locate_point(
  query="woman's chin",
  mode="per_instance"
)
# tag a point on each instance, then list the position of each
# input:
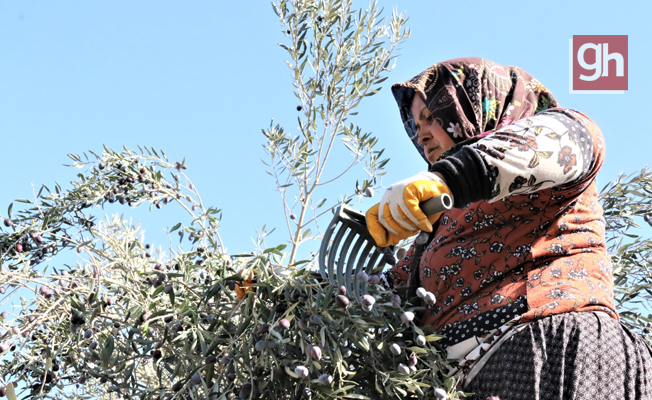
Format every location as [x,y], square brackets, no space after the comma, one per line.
[433,156]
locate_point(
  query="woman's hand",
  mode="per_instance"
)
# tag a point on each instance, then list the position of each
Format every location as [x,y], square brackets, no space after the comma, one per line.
[398,215]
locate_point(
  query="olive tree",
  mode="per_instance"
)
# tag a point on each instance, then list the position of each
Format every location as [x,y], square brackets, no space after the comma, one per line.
[627,200]
[193,321]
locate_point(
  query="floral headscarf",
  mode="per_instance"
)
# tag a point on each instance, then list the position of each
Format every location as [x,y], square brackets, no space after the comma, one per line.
[471,95]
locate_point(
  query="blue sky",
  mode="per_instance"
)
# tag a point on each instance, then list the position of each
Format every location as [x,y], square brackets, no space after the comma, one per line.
[201,79]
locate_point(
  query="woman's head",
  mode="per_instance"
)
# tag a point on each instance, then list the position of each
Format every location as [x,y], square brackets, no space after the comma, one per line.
[465,97]
[431,135]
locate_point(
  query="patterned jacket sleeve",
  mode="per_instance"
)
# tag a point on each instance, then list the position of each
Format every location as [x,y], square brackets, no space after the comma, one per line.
[399,274]
[555,148]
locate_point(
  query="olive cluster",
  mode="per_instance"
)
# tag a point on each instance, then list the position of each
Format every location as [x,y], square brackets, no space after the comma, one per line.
[30,245]
[125,181]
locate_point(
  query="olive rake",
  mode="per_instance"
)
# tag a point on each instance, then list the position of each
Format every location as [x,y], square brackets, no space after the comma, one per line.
[348,248]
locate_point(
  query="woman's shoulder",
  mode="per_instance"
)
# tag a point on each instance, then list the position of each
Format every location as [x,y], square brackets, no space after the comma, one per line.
[570,112]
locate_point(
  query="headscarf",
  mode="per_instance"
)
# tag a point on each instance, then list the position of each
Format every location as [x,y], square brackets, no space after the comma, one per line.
[471,95]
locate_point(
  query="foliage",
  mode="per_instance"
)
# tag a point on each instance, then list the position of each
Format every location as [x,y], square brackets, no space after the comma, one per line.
[195,322]
[337,57]
[625,200]
[141,324]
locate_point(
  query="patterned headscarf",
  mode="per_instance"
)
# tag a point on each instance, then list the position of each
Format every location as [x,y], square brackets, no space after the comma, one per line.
[471,95]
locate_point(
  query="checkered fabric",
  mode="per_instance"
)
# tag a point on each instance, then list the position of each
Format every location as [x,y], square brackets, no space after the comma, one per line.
[575,355]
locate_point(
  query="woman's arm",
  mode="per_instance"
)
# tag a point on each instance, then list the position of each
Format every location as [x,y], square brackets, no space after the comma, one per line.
[555,148]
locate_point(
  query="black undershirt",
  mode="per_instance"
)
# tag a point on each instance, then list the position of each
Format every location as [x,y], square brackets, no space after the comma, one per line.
[467,175]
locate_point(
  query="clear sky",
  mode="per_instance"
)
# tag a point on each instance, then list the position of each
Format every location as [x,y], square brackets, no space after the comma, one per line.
[201,79]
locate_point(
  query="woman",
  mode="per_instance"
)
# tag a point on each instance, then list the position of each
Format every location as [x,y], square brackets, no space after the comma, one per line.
[519,266]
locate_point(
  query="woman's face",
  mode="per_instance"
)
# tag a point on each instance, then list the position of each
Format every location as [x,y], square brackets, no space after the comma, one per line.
[431,135]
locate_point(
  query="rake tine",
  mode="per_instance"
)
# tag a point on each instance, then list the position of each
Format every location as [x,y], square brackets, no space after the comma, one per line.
[333,253]
[362,287]
[343,253]
[349,265]
[359,267]
[381,263]
[323,249]
[368,268]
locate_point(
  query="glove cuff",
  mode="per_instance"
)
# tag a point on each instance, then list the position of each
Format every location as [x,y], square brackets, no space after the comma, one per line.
[437,177]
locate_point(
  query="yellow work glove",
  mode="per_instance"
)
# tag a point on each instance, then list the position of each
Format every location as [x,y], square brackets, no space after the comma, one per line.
[398,215]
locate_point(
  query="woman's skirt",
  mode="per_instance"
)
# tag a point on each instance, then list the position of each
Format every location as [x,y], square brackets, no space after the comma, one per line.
[576,355]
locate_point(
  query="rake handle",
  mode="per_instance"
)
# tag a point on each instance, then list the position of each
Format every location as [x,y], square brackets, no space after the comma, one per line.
[436,204]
